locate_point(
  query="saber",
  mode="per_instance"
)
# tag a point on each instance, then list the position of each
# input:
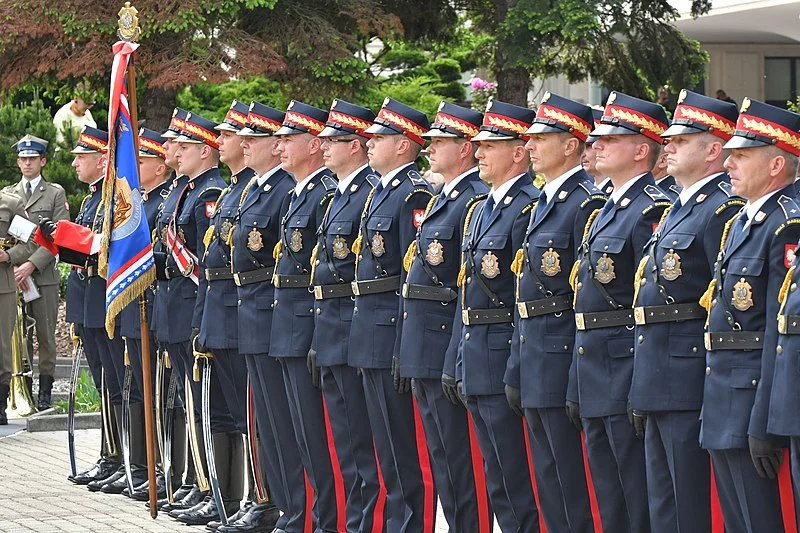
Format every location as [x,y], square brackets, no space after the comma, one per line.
[252,440]
[159,393]
[200,475]
[208,440]
[126,421]
[168,426]
[77,353]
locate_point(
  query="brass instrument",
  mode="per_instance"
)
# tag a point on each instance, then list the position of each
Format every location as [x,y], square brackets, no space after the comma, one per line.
[20,400]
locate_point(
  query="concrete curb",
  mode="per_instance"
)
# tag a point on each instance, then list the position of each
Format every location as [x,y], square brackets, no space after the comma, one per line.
[47,420]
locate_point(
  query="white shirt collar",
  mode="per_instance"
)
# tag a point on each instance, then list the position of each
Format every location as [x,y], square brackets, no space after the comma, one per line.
[268,174]
[345,183]
[603,184]
[550,189]
[300,184]
[385,180]
[751,208]
[448,187]
[34,182]
[619,191]
[687,193]
[501,191]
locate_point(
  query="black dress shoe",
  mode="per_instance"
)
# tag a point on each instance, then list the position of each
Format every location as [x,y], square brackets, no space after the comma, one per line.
[142,492]
[177,496]
[208,512]
[190,499]
[100,470]
[214,524]
[175,513]
[138,476]
[98,484]
[260,517]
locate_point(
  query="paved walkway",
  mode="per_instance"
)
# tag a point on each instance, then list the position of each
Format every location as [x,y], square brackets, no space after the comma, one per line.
[36,496]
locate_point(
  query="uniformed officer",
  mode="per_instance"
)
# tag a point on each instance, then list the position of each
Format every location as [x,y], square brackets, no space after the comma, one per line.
[345,153]
[42,199]
[589,159]
[254,237]
[758,249]
[627,146]
[387,227]
[429,306]
[541,354]
[482,330]
[669,364]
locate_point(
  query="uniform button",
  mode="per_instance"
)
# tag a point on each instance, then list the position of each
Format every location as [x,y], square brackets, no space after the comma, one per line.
[274,303]
[641,339]
[580,350]
[566,348]
[521,339]
[793,287]
[527,245]
[316,263]
[744,269]
[393,320]
[694,349]
[605,247]
[713,302]
[779,349]
[708,371]
[509,341]
[355,309]
[722,272]
[550,242]
[360,257]
[469,280]
[521,274]
[643,282]
[631,350]
[754,382]
[405,315]
[238,302]
[319,311]
[444,327]
[579,285]
[491,243]
[436,234]
[466,337]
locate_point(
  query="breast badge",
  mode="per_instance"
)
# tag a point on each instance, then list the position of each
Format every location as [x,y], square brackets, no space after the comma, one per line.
[378,248]
[254,240]
[490,267]
[434,255]
[181,234]
[340,248]
[742,295]
[604,272]
[164,232]
[225,230]
[671,266]
[296,241]
[551,263]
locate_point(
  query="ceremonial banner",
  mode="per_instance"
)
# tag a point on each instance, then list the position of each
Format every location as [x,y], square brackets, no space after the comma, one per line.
[126,252]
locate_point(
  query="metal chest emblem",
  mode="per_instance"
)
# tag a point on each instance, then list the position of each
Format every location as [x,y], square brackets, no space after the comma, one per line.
[378,248]
[605,269]
[296,241]
[551,263]
[181,234]
[490,267]
[742,295]
[340,248]
[435,254]
[225,230]
[254,240]
[671,266]
[164,232]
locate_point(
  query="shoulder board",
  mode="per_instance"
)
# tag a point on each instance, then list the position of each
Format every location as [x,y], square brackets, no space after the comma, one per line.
[594,198]
[675,188]
[373,179]
[8,188]
[329,183]
[51,184]
[416,178]
[738,202]
[786,224]
[788,206]
[726,188]
[655,193]
[589,187]
[328,196]
[531,191]
[657,204]
[417,191]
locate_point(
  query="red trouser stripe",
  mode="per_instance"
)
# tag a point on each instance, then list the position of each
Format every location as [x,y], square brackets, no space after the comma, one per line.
[481,492]
[338,480]
[598,523]
[717,521]
[429,512]
[787,493]
[377,515]
[308,526]
[542,526]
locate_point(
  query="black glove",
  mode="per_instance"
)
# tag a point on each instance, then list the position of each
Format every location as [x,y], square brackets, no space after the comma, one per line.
[514,398]
[766,457]
[461,394]
[450,389]
[195,341]
[313,369]
[638,420]
[47,227]
[401,385]
[160,259]
[574,414]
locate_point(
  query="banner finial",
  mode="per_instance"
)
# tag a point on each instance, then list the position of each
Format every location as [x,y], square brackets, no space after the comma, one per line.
[128,24]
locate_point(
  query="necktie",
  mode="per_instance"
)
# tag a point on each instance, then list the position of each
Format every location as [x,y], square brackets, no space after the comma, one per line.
[379,188]
[336,198]
[27,190]
[606,210]
[442,198]
[738,229]
[540,208]
[487,211]
[674,211]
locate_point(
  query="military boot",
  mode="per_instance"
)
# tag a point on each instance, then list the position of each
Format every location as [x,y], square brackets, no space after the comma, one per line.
[45,392]
[138,451]
[224,451]
[4,389]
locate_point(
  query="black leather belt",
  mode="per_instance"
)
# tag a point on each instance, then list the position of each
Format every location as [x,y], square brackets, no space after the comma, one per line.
[425,292]
[668,313]
[545,306]
[286,281]
[215,274]
[789,324]
[734,340]
[375,286]
[253,276]
[605,319]
[338,290]
[172,272]
[475,317]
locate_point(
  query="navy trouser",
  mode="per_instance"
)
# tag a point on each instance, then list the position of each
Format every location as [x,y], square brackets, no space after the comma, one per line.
[91,355]
[111,353]
[231,370]
[135,357]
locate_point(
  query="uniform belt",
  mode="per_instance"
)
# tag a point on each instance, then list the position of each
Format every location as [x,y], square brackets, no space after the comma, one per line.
[545,306]
[91,267]
[172,272]
[291,280]
[475,317]
[734,340]
[253,276]
[338,290]
[789,324]
[605,319]
[214,274]
[668,313]
[426,292]
[375,286]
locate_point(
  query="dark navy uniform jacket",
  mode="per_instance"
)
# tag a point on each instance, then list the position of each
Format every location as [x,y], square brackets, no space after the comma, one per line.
[670,187]
[294,305]
[603,357]
[129,324]
[86,306]
[669,360]
[335,265]
[161,303]
[219,325]
[752,269]
[256,232]
[541,349]
[386,232]
[428,324]
[489,250]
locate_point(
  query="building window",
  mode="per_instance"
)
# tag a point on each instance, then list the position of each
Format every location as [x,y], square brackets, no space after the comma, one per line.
[781,80]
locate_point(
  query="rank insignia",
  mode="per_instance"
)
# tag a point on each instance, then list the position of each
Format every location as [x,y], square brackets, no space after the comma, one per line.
[254,240]
[551,263]
[434,255]
[490,267]
[296,241]
[742,295]
[378,249]
[605,269]
[225,230]
[340,248]
[671,266]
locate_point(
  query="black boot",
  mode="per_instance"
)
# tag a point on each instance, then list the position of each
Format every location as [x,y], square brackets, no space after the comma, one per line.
[138,451]
[224,452]
[45,392]
[259,517]
[142,492]
[4,390]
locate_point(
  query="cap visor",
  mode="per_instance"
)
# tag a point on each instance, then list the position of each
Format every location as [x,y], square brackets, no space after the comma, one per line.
[489,136]
[148,154]
[334,132]
[82,150]
[543,128]
[224,126]
[287,130]
[29,153]
[609,129]
[680,129]
[249,132]
[591,139]
[380,129]
[744,142]
[169,134]
[185,139]
[440,134]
